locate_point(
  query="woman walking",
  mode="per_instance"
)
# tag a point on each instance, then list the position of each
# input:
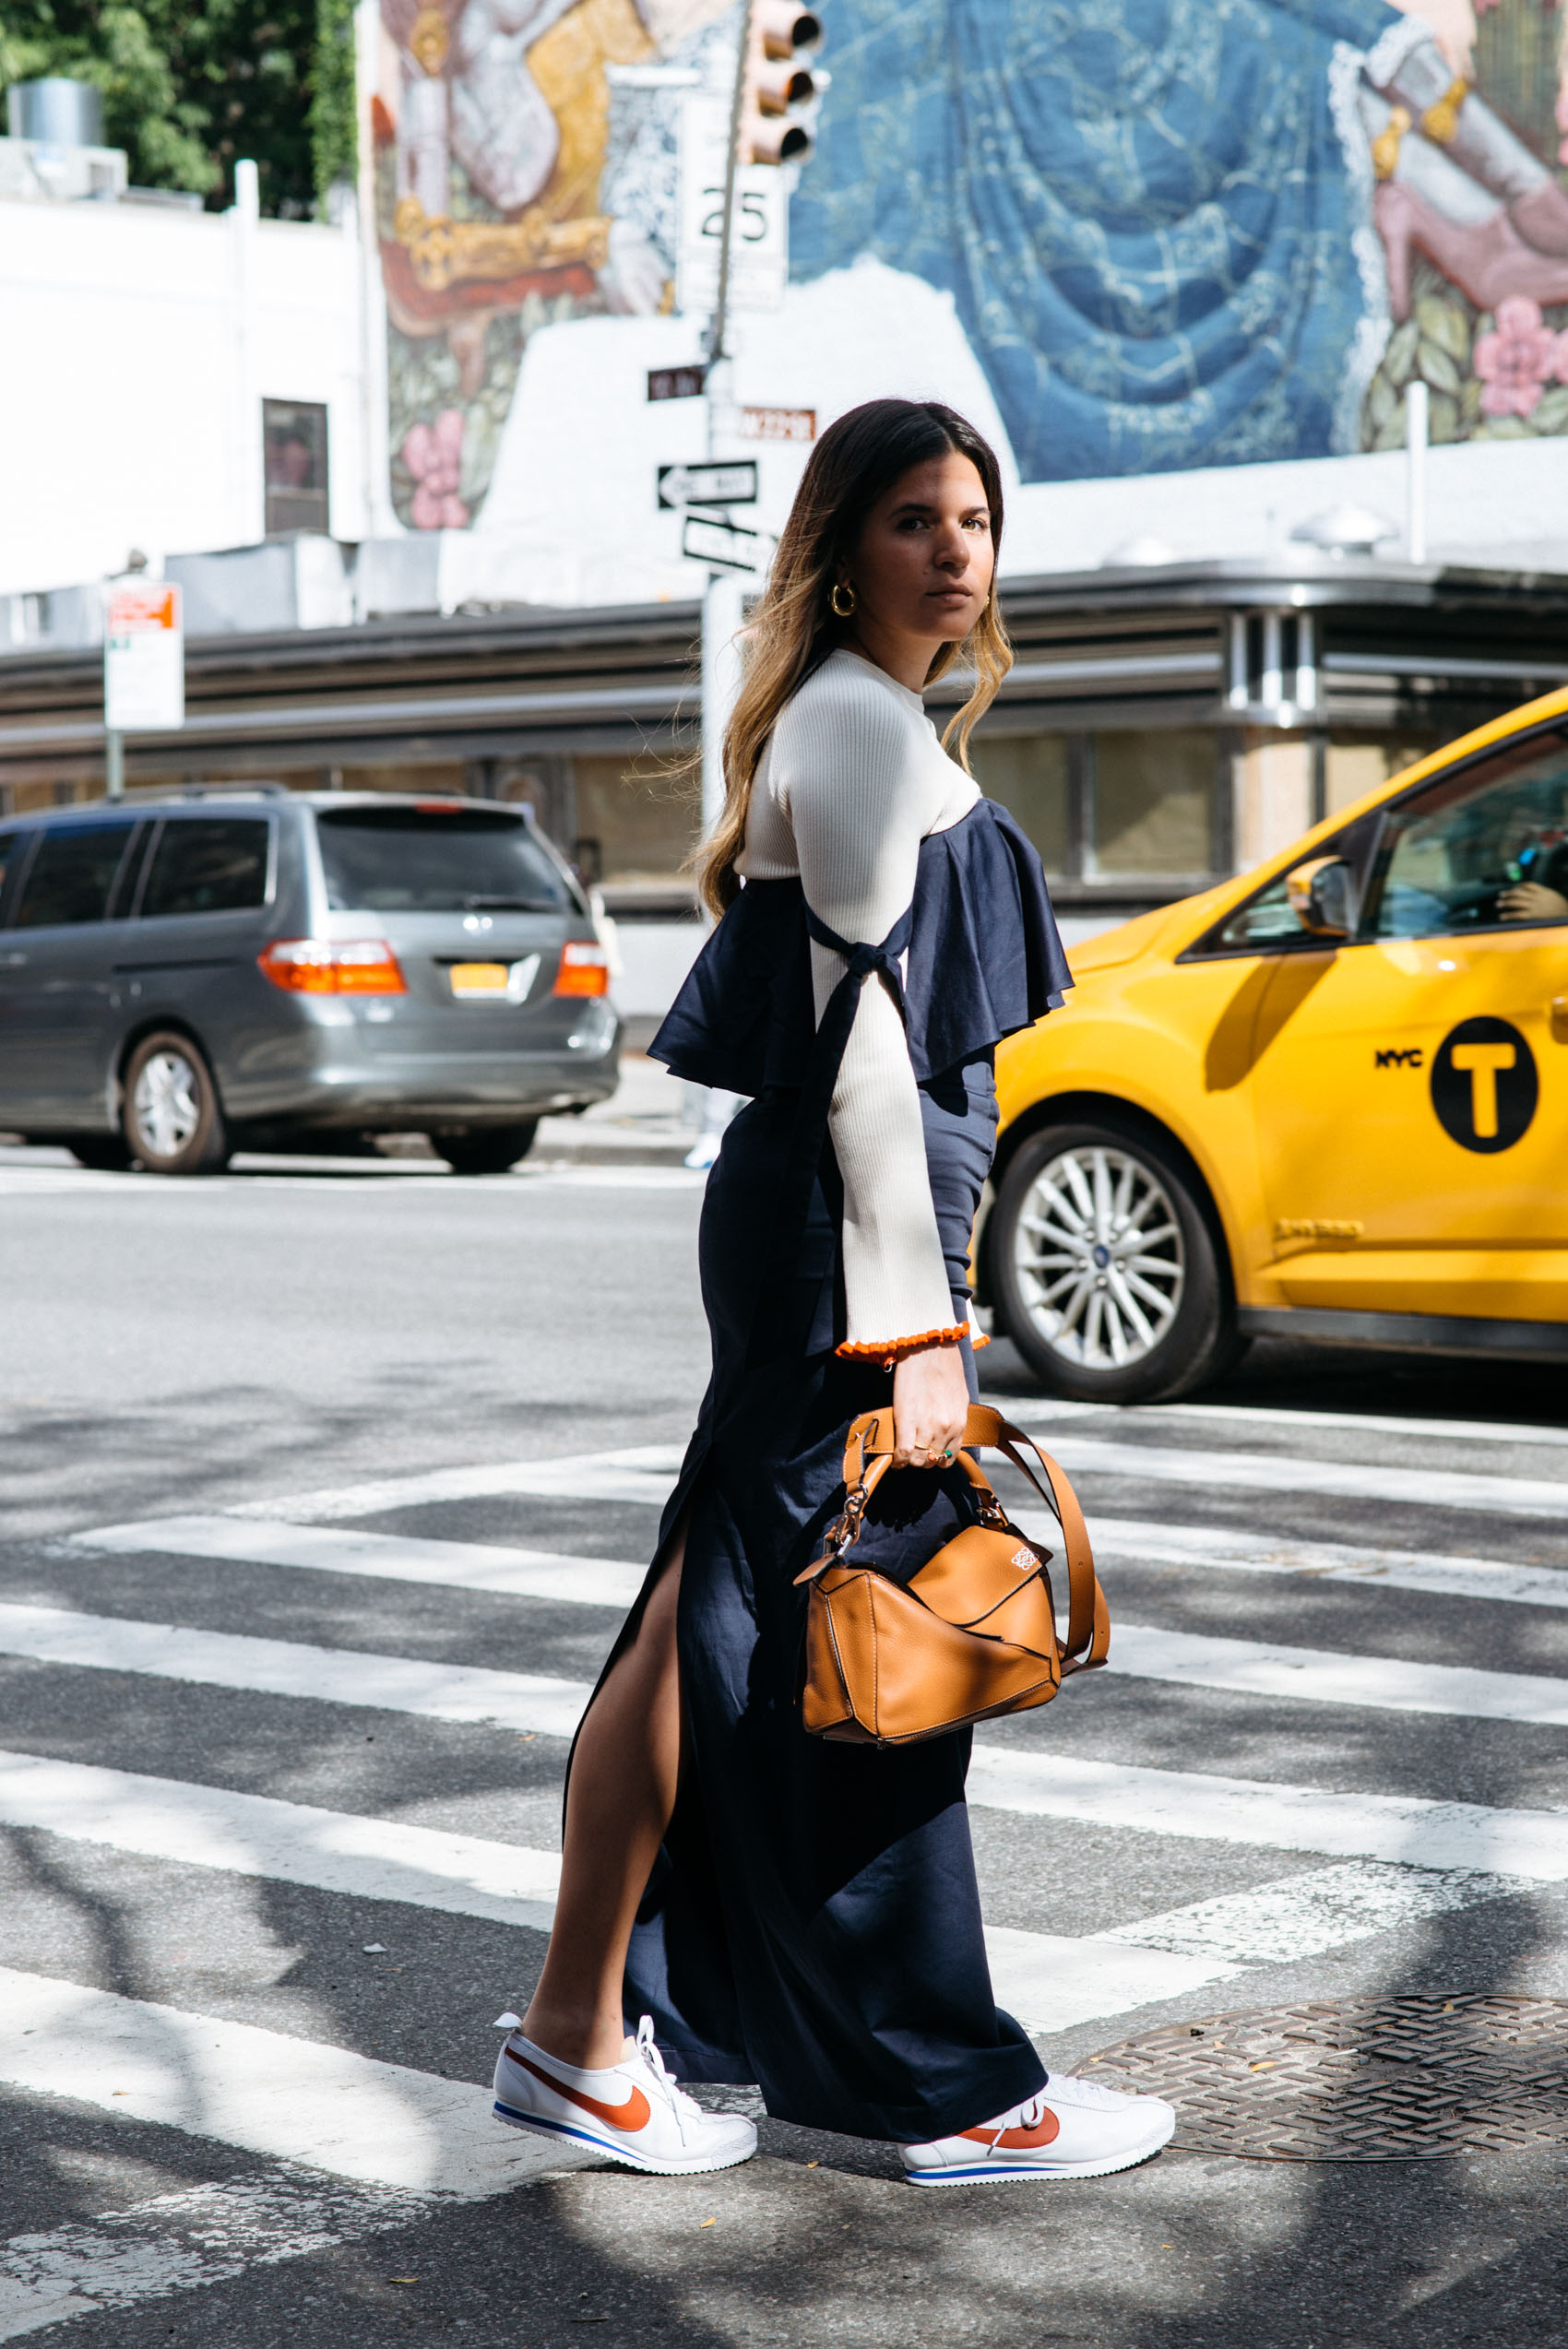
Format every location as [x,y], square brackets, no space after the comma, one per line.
[776,1908]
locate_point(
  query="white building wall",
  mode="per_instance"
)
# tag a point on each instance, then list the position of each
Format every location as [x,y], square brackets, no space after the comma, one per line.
[139,345]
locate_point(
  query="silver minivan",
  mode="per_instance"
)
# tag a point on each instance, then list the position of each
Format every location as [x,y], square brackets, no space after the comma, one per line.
[188,975]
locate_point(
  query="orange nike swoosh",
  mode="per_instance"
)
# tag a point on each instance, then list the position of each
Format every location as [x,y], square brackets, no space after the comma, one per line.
[1044,2133]
[631,2116]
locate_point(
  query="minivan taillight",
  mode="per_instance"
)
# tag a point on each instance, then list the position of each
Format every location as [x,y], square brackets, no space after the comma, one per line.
[333,966]
[585,969]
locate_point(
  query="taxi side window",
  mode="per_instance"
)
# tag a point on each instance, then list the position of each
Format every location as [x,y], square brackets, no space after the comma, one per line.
[1483,850]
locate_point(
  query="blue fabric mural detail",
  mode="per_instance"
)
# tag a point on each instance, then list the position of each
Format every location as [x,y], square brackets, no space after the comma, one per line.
[1141,208]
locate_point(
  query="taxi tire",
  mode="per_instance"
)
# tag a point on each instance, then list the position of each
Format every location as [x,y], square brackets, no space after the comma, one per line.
[206,1149]
[481,1150]
[1202,1343]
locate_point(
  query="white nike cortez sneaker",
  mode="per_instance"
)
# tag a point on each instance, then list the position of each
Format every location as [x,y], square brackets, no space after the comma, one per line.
[633,2111]
[1073,2128]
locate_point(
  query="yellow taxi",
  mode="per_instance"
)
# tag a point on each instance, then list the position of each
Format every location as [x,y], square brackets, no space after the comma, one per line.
[1327,1100]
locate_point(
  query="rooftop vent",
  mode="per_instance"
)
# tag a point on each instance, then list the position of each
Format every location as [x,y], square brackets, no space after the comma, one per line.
[1345,529]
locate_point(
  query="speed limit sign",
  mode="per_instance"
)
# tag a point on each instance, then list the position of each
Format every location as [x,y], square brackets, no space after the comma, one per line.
[759,244]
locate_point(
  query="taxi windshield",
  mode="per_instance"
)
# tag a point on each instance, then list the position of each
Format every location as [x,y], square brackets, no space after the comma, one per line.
[1477,850]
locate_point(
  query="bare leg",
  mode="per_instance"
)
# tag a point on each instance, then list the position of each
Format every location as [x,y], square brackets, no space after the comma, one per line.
[618,1805]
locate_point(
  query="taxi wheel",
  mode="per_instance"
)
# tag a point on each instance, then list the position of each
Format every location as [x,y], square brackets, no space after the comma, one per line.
[481,1150]
[172,1118]
[1105,1269]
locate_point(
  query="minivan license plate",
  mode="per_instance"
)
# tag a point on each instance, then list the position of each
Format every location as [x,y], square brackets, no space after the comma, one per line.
[479,980]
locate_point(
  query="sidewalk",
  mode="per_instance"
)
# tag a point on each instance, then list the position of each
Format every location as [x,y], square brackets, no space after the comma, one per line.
[643,1124]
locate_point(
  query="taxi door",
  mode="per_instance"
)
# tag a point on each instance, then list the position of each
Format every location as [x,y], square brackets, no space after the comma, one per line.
[1412,1092]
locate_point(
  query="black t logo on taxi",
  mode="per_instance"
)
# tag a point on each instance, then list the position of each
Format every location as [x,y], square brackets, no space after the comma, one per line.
[1484,1086]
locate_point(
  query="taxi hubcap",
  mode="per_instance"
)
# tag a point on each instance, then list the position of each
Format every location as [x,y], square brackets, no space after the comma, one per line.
[168,1108]
[1099,1258]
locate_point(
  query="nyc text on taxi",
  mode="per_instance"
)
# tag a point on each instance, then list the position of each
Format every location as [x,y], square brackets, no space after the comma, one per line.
[1328,1099]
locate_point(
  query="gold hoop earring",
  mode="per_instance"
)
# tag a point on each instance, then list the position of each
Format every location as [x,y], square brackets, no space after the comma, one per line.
[843,611]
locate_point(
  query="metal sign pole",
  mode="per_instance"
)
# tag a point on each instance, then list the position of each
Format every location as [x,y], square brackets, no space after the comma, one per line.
[114,764]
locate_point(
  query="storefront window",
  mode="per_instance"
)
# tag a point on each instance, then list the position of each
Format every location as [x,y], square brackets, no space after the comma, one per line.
[1028,774]
[293,434]
[1153,796]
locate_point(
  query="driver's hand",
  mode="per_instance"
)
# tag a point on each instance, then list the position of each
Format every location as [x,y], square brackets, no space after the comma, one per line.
[930,1405]
[1532,901]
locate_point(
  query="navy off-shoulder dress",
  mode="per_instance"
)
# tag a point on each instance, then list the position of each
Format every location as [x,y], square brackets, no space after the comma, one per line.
[812,1923]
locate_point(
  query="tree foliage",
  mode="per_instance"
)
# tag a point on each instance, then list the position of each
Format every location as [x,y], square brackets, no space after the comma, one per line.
[188,92]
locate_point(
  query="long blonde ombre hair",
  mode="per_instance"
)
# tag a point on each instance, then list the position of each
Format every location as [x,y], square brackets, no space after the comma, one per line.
[794,628]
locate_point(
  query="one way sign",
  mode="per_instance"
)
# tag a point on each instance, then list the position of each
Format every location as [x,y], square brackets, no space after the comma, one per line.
[681,485]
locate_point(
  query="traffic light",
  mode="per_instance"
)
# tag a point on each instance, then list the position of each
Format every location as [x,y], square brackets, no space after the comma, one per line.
[780,86]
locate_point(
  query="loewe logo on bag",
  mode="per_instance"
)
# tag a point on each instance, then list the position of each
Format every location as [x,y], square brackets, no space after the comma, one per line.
[1021,1558]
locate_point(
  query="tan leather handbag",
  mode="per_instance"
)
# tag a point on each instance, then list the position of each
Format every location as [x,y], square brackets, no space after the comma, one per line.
[970,1635]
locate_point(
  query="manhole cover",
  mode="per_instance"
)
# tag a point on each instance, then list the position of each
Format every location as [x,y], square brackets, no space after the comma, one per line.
[1359,2079]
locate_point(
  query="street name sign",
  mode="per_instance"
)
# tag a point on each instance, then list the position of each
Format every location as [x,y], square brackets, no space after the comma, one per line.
[759,244]
[676,383]
[717,484]
[779,424]
[144,659]
[724,546]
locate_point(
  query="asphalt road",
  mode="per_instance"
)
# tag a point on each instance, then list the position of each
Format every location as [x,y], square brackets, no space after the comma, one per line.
[275,1852]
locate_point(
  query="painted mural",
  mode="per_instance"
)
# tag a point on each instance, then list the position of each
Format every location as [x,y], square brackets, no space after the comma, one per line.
[1177,232]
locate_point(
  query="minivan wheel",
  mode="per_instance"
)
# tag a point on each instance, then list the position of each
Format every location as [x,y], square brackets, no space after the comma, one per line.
[173,1121]
[1105,1269]
[484,1149]
[105,1153]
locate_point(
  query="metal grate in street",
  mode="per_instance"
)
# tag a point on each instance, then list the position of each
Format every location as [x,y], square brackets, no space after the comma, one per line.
[1397,2080]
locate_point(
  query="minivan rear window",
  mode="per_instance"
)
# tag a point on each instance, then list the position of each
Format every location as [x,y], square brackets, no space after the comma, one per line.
[206,864]
[424,860]
[71,874]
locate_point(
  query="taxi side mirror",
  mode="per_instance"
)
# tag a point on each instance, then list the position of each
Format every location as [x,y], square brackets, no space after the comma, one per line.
[1319,894]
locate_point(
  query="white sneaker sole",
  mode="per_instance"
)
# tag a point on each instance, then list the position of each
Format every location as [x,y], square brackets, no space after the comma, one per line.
[616,2148]
[1009,2171]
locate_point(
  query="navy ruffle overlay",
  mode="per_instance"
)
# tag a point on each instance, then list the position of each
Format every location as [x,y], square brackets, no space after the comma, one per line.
[812,1922]
[985,960]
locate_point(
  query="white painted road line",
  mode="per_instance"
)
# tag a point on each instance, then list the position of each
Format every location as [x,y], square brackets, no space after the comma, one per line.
[1408,1829]
[1224,1551]
[611,1582]
[287,1667]
[335,1851]
[201,2235]
[1029,1411]
[453,1565]
[1324,1676]
[644,1474]
[1051,1981]
[1302,1916]
[1526,1496]
[294,2100]
[526,1701]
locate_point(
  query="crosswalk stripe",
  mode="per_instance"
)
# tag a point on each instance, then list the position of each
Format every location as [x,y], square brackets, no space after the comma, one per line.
[1051,1981]
[1322,1675]
[294,2100]
[291,1668]
[642,1473]
[551,1707]
[1223,1551]
[644,1476]
[200,2235]
[1282,1418]
[335,1851]
[452,1565]
[564,1576]
[1409,1829]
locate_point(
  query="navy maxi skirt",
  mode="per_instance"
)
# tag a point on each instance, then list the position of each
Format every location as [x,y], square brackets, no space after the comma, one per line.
[812,1922]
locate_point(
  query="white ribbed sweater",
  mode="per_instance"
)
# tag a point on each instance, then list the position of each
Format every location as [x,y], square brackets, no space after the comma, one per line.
[853,781]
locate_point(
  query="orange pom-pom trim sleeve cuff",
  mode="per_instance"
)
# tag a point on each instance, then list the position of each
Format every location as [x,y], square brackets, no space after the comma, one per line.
[889,1351]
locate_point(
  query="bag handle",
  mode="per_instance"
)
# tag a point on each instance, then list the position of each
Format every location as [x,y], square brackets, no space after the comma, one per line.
[870,1441]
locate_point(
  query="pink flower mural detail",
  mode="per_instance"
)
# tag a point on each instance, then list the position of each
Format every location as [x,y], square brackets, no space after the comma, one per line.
[433,455]
[1518,359]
